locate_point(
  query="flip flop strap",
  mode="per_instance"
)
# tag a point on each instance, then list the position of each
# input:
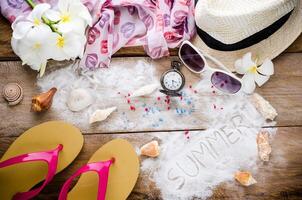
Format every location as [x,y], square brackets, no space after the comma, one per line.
[51,159]
[101,168]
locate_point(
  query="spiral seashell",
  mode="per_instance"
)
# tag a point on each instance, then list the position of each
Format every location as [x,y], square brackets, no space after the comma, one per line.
[12,93]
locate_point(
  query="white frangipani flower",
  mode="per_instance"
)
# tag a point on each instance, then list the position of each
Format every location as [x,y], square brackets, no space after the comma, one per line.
[253,73]
[50,34]
[34,49]
[67,46]
[30,38]
[22,26]
[72,15]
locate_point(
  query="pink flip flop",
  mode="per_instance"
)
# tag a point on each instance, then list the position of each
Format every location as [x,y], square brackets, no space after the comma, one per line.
[23,165]
[117,167]
[51,159]
[102,170]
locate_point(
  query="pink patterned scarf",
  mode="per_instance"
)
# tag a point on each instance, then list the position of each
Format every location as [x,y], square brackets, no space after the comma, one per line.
[155,24]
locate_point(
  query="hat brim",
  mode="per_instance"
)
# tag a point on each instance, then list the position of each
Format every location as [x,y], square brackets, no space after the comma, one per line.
[268,48]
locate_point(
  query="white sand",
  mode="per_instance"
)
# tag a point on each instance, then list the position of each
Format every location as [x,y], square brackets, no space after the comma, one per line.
[186,168]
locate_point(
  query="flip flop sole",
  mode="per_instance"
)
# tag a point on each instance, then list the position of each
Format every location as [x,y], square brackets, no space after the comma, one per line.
[123,173]
[46,136]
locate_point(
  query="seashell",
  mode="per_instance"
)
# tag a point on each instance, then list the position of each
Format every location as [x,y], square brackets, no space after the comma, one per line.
[101,115]
[12,93]
[79,99]
[264,107]
[264,148]
[145,90]
[150,149]
[245,178]
[43,101]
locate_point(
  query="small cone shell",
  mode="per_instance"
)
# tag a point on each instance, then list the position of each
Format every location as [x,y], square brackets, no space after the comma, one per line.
[145,90]
[101,115]
[264,148]
[245,178]
[43,101]
[150,149]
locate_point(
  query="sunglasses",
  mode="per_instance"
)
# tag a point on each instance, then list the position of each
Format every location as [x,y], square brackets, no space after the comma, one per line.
[195,61]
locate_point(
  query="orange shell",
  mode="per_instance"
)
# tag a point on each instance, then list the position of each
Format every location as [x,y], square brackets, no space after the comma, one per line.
[150,149]
[43,101]
[245,178]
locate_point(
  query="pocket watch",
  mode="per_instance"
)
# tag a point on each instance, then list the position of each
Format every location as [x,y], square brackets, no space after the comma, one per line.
[172,81]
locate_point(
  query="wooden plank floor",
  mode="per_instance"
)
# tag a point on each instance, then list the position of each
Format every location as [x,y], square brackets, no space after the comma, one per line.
[8,54]
[280,180]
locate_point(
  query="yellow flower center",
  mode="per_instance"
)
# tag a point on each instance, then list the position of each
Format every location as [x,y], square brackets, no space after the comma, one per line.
[37,22]
[37,45]
[60,42]
[253,69]
[65,17]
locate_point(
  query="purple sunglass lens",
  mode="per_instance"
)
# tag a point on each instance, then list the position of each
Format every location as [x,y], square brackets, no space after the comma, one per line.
[225,83]
[191,58]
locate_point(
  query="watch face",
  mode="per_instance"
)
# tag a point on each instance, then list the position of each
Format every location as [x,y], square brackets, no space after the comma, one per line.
[172,80]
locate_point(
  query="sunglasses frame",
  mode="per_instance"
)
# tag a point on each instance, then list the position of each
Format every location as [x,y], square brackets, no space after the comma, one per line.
[206,65]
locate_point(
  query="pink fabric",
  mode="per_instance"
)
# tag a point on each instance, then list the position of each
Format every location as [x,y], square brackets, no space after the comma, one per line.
[11,9]
[155,24]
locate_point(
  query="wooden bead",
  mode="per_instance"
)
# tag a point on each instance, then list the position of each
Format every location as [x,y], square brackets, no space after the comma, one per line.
[12,93]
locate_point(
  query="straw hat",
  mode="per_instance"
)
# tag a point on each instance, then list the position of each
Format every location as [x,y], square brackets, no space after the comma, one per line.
[227,29]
